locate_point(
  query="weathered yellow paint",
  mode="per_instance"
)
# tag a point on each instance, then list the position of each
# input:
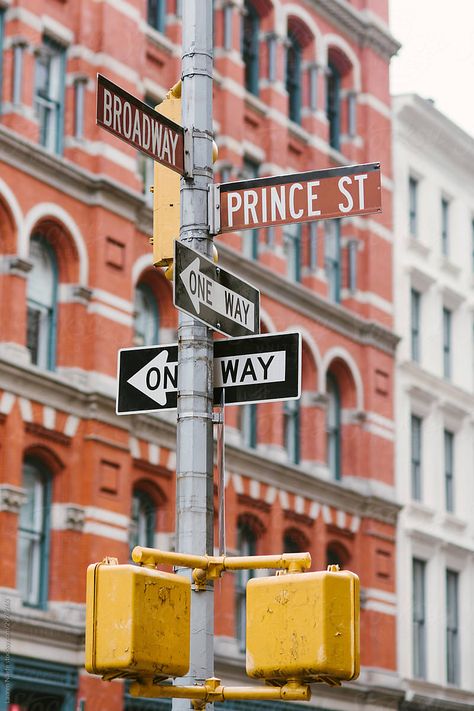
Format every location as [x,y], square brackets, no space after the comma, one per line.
[137,622]
[166,197]
[304,626]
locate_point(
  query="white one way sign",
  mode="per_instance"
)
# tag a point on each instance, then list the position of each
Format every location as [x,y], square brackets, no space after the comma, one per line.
[252,369]
[220,299]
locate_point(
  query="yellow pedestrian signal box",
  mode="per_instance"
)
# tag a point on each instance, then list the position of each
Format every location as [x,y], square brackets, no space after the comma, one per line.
[137,622]
[304,626]
[166,187]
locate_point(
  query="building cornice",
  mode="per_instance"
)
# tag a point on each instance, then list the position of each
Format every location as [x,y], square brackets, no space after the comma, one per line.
[438,390]
[364,27]
[421,125]
[298,480]
[301,299]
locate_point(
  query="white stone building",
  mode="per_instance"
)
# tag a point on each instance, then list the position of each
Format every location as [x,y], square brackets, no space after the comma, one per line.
[434,315]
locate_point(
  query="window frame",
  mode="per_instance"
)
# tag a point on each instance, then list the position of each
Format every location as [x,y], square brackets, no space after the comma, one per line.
[415,314]
[333,429]
[413,184]
[293,78]
[149,300]
[332,264]
[447,342]
[291,430]
[40,537]
[247,543]
[333,105]
[54,52]
[156,15]
[50,310]
[419,658]
[416,457]
[250,47]
[445,203]
[248,425]
[448,439]
[453,656]
[250,169]
[149,512]
[292,236]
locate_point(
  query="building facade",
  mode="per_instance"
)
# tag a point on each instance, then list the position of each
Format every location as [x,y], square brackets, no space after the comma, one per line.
[298,86]
[434,304]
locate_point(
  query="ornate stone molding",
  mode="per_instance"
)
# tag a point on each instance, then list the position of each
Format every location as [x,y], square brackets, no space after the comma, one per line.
[75,518]
[11,498]
[19,267]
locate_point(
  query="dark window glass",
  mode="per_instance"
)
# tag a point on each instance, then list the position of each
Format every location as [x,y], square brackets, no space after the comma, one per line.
[248,425]
[250,47]
[293,78]
[156,14]
[41,305]
[333,105]
[292,249]
[146,317]
[250,169]
[419,618]
[416,433]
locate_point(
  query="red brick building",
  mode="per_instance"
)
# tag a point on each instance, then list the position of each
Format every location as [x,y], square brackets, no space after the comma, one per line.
[298,86]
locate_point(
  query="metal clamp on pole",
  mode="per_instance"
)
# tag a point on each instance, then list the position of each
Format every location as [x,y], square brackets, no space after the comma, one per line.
[214,207]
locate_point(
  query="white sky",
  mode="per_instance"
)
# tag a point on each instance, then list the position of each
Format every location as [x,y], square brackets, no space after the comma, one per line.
[436,59]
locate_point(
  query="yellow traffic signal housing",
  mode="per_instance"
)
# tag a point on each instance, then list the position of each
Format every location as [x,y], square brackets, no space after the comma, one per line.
[137,622]
[166,198]
[304,626]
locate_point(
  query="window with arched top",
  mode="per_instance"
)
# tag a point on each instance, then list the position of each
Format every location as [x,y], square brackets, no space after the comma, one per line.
[33,535]
[41,299]
[293,77]
[295,541]
[333,427]
[251,46]
[336,554]
[247,545]
[142,520]
[146,317]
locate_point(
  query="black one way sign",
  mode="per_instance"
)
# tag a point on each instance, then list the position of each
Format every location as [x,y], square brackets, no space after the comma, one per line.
[250,369]
[220,299]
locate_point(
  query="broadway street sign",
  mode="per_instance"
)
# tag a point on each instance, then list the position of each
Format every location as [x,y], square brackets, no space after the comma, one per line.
[251,369]
[218,298]
[139,125]
[300,197]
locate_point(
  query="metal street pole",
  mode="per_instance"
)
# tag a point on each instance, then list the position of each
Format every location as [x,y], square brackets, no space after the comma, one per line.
[194,468]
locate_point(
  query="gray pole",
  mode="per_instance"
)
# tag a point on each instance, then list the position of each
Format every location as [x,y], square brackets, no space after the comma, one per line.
[194,468]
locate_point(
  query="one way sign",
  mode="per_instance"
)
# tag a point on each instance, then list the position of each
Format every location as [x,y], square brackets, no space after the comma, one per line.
[220,299]
[249,369]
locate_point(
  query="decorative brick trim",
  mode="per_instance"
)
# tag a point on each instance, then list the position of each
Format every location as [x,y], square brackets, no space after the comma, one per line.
[301,519]
[150,468]
[247,501]
[44,432]
[75,518]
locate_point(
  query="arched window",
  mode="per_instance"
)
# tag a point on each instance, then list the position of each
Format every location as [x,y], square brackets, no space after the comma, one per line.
[291,414]
[295,541]
[146,317]
[33,535]
[336,554]
[293,77]
[333,105]
[333,427]
[247,545]
[142,520]
[250,46]
[42,304]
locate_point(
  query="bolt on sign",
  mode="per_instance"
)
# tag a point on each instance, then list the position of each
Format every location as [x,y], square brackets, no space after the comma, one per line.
[139,125]
[298,197]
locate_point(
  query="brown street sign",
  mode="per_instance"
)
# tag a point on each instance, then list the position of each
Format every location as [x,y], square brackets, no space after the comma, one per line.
[299,197]
[139,125]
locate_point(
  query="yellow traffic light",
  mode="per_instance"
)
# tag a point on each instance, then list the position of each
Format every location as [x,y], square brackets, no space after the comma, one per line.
[137,622]
[166,198]
[304,626]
